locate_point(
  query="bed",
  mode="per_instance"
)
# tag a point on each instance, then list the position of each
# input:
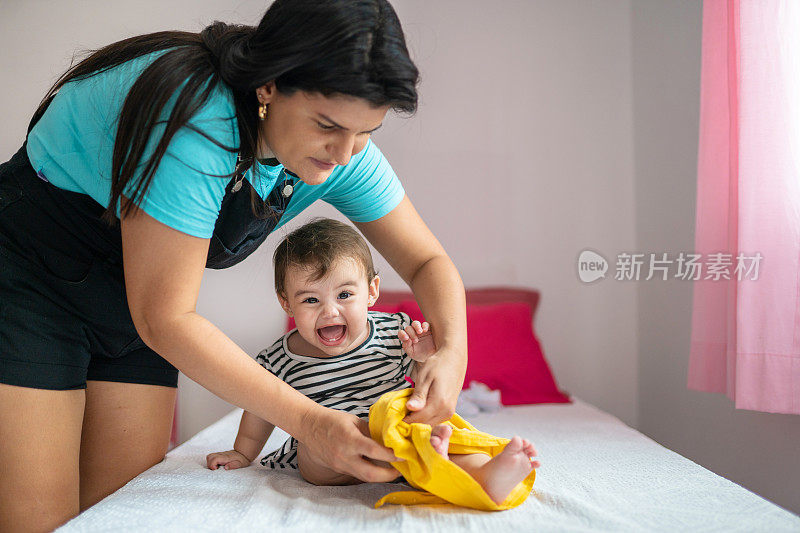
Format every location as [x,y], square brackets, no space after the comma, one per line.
[597,473]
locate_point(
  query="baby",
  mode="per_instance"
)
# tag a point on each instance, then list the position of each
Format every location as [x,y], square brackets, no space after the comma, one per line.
[343,356]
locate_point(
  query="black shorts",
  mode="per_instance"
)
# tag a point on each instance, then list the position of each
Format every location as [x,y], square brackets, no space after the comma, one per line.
[64,315]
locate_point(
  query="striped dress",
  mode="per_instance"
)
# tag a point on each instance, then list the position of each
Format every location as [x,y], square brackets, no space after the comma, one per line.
[349,382]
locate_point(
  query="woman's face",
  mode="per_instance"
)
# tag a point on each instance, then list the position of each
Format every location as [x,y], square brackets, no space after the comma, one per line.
[310,133]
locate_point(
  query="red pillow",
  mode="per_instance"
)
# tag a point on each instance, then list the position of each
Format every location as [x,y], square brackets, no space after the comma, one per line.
[387,308]
[504,353]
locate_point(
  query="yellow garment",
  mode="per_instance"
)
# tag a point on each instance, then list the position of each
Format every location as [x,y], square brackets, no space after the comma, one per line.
[441,480]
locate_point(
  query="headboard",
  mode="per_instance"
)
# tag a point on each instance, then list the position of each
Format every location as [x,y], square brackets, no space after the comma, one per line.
[481,296]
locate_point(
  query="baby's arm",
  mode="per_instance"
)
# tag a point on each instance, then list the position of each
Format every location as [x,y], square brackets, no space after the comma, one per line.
[417,341]
[252,436]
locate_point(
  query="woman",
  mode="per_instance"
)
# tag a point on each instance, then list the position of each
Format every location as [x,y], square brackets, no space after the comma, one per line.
[156,157]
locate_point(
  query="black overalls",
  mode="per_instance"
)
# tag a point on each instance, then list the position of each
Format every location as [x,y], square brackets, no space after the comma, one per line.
[64,315]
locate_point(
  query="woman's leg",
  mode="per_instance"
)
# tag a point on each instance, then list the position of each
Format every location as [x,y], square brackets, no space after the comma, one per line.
[126,430]
[40,439]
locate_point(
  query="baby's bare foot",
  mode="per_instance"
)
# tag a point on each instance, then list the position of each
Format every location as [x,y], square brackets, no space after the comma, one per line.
[440,439]
[501,474]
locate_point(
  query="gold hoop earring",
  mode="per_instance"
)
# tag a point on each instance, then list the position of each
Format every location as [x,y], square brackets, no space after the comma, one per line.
[262,111]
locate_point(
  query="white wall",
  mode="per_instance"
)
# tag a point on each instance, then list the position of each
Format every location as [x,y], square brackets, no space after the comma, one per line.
[520,156]
[756,450]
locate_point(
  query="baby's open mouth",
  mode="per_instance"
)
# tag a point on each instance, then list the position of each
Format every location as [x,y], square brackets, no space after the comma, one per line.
[332,335]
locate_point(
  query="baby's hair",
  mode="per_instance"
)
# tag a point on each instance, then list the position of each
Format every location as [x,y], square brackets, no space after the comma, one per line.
[318,245]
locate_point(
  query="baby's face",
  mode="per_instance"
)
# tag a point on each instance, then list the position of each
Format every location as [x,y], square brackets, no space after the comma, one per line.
[330,313]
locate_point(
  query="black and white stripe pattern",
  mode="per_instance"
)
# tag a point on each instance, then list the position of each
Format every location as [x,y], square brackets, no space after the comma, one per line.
[350,382]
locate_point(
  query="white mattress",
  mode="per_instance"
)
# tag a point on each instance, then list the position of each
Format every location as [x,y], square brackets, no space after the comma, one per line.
[596,474]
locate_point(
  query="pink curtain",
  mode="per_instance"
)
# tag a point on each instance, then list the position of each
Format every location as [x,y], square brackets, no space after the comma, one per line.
[746,332]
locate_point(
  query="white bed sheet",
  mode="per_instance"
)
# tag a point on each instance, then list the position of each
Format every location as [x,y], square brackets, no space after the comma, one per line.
[597,474]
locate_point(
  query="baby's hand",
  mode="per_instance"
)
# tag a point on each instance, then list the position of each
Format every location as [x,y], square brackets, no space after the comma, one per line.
[417,341]
[230,460]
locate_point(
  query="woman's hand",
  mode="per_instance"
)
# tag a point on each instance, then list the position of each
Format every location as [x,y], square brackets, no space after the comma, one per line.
[229,460]
[404,240]
[437,384]
[341,441]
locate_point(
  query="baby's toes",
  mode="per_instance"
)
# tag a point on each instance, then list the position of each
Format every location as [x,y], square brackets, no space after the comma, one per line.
[442,431]
[528,448]
[439,446]
[515,445]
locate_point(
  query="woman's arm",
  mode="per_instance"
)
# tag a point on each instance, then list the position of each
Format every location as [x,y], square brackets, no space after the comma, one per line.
[163,271]
[409,246]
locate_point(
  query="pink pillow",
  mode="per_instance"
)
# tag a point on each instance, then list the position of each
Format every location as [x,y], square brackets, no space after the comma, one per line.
[384,308]
[504,353]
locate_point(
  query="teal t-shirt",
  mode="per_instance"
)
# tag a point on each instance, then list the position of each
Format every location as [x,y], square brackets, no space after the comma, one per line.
[72,144]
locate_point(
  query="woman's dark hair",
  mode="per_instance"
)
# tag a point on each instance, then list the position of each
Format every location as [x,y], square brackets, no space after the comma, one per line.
[348,47]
